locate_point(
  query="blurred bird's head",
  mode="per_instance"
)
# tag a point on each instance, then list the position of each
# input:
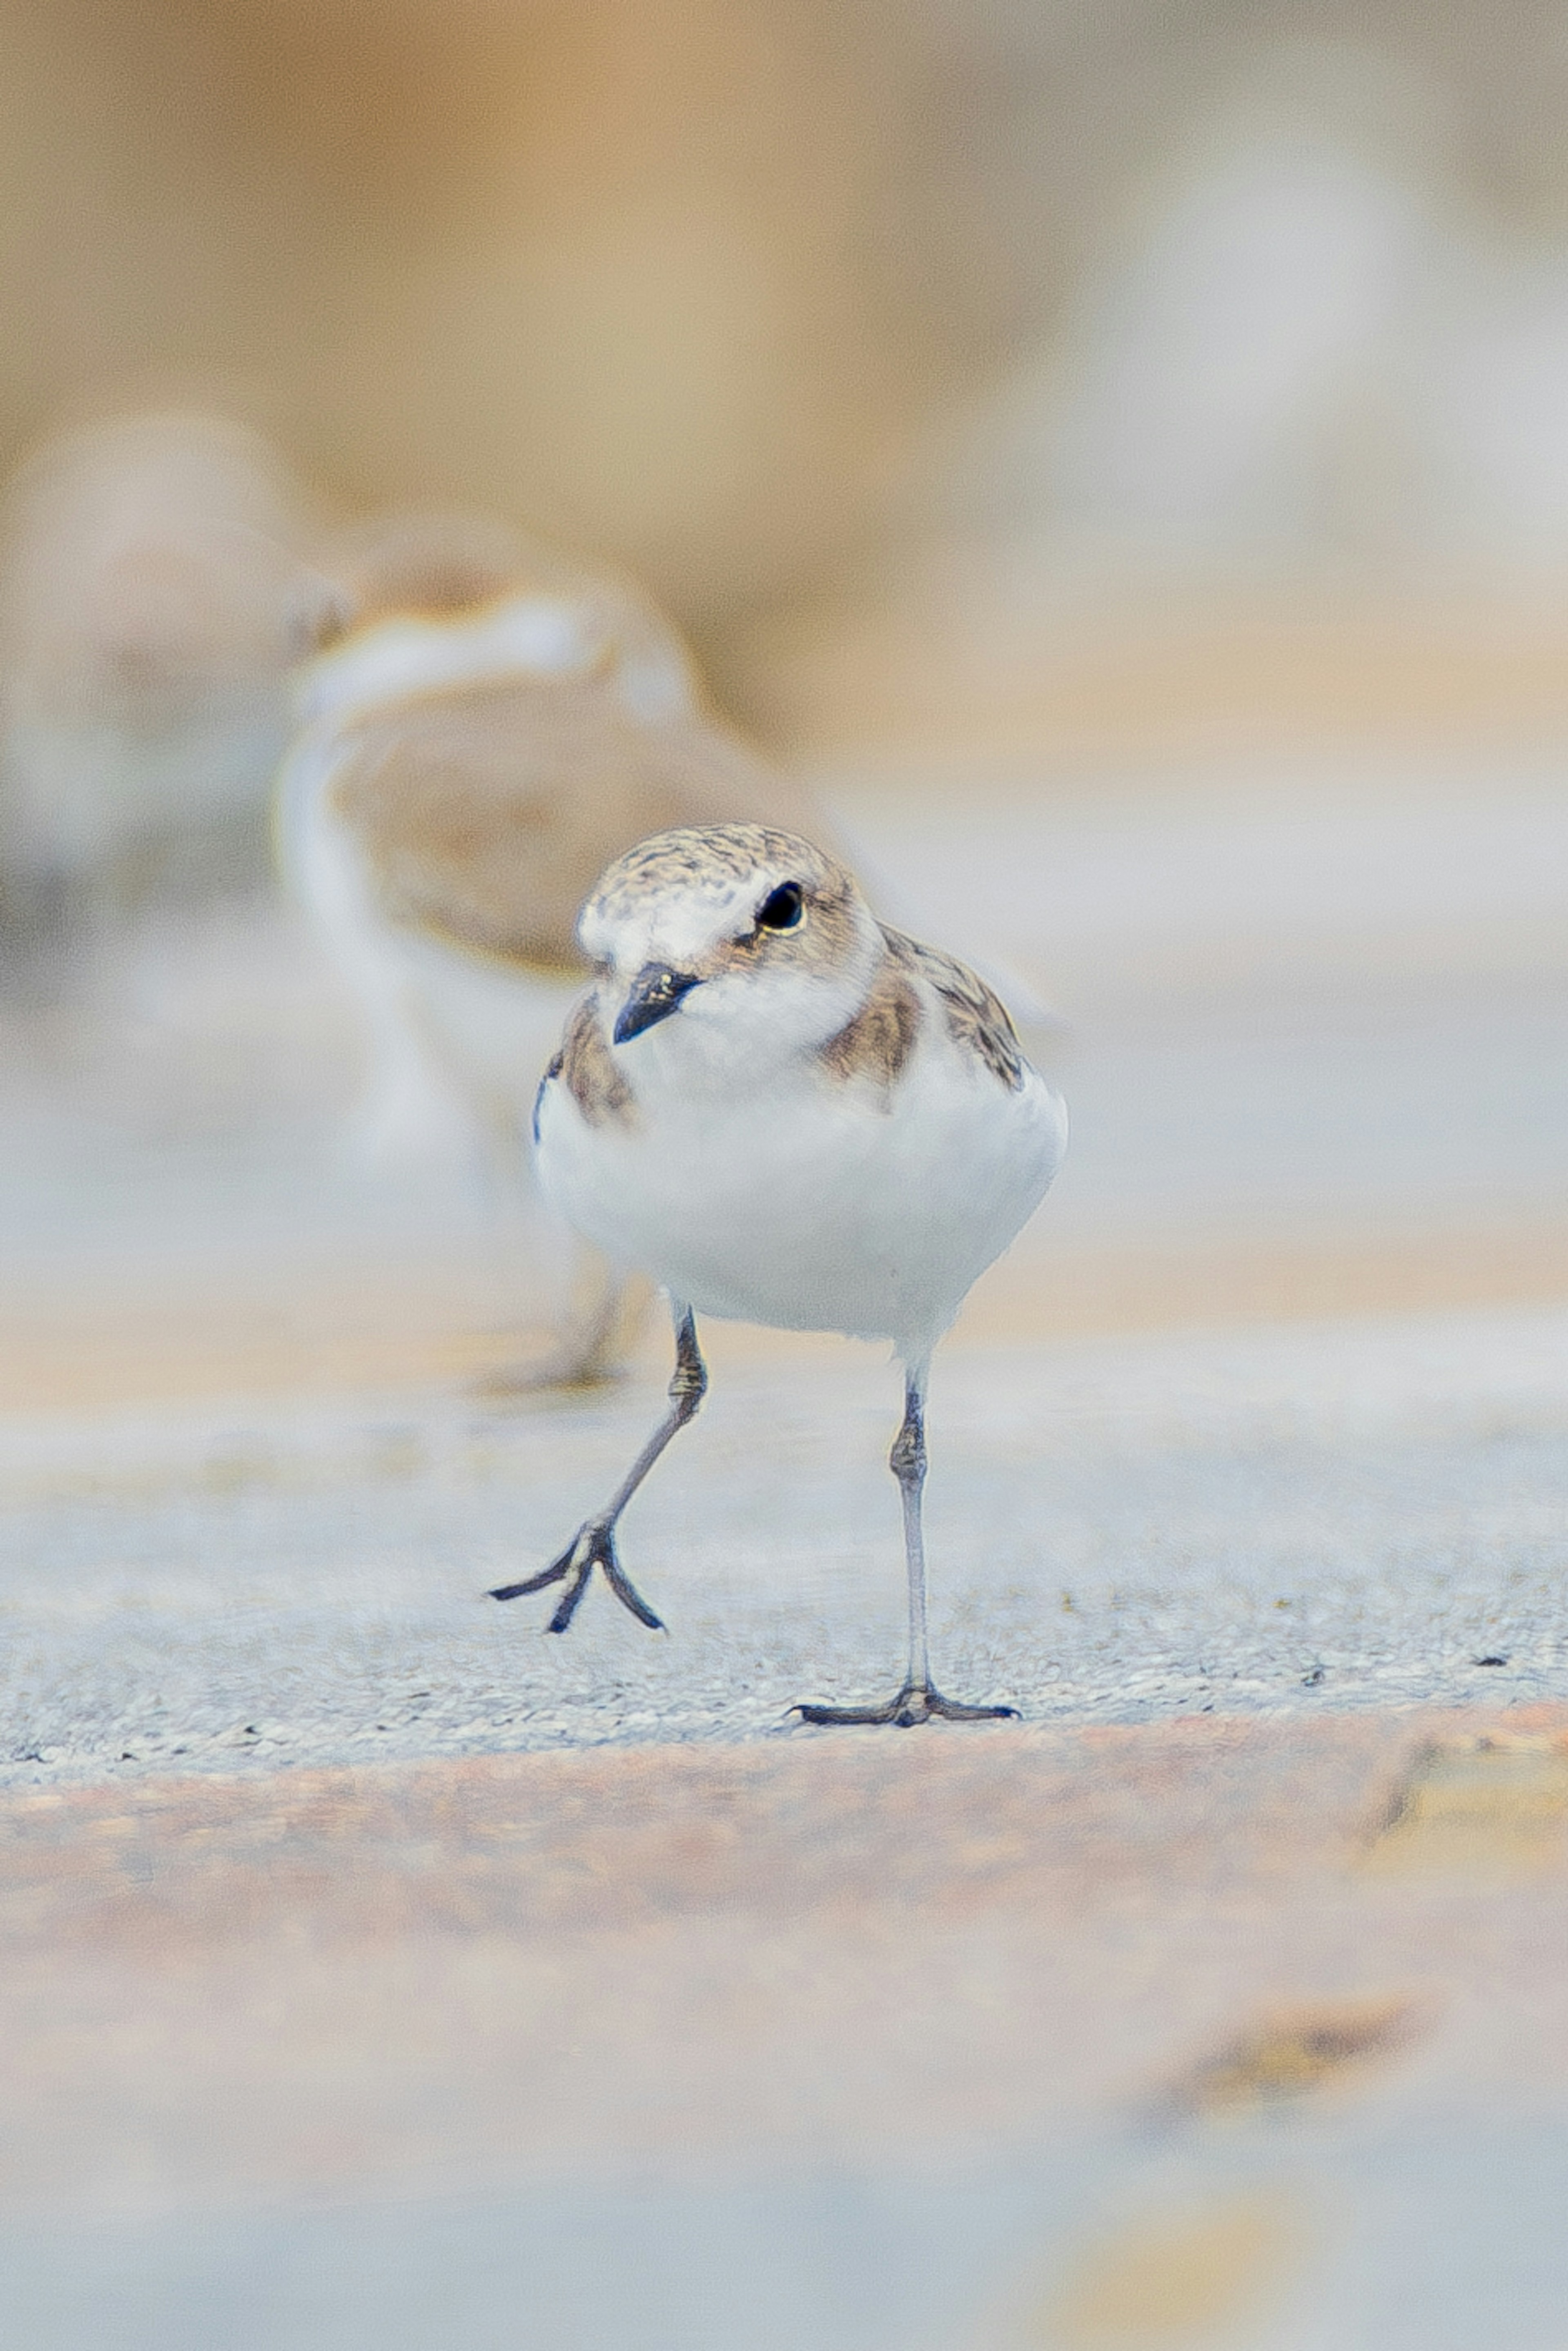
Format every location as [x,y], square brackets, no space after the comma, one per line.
[416,602]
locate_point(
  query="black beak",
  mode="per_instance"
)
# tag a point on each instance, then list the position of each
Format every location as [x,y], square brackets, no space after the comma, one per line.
[656,992]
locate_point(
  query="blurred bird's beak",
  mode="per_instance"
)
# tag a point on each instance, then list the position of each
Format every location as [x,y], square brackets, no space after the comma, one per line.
[656,992]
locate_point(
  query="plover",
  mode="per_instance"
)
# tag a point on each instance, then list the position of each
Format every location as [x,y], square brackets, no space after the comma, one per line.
[785,1112]
[485,723]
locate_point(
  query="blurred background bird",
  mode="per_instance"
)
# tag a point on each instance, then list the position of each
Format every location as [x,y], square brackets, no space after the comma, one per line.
[485,724]
[146,565]
[1092,450]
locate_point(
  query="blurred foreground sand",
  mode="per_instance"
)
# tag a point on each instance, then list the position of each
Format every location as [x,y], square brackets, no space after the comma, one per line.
[1067,2039]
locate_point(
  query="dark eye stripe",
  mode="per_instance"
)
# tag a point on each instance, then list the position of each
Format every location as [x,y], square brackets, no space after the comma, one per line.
[782,908]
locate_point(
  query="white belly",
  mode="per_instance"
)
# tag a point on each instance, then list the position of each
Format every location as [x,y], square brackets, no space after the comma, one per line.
[813,1207]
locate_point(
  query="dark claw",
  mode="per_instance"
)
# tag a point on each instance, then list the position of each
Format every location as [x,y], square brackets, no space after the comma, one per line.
[591,1547]
[906,1708]
[574,1591]
[551,1574]
[866,1714]
[626,1592]
[951,1711]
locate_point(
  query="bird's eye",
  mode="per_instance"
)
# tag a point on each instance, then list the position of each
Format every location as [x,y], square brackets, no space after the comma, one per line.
[781,909]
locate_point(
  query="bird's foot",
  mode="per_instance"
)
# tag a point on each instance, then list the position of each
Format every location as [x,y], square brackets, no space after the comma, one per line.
[915,1702]
[593,1546]
[561,1370]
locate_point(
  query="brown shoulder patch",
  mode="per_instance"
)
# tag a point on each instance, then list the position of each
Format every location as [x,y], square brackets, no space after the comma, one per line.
[588,1067]
[880,1038]
[977,1021]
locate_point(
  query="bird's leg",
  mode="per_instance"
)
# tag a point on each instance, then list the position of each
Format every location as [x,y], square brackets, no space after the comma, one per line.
[919,1700]
[593,1545]
[593,1336]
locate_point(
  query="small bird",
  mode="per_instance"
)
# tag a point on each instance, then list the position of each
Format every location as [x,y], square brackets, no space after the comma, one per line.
[485,723]
[785,1112]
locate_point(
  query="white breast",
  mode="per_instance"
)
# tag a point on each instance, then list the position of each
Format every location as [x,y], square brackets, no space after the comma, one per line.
[807,1203]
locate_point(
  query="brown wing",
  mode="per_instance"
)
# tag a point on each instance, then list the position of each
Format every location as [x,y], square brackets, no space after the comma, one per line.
[487,815]
[977,1020]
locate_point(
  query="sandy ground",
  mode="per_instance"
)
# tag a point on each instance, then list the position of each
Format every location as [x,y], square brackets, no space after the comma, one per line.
[1245,2032]
[380,1970]
[1120,1531]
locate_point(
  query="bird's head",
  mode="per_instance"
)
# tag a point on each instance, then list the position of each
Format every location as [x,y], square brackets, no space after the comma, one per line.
[748,942]
[417,601]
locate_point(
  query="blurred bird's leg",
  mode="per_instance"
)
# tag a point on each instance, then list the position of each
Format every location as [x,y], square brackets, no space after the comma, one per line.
[593,1313]
[412,1110]
[593,1545]
[404,1117]
[605,1316]
[594,1331]
[919,1700]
